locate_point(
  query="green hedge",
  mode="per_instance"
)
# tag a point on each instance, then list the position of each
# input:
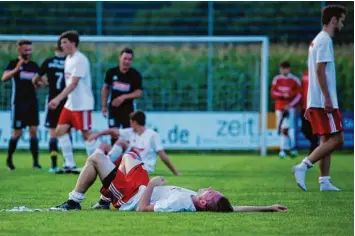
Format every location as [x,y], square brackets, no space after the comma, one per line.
[175,76]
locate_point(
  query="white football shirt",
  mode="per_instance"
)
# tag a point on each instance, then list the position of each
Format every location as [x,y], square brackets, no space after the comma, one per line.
[148,142]
[164,199]
[321,50]
[81,98]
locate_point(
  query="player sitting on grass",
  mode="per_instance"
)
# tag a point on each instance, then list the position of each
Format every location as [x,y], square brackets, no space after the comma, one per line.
[128,188]
[145,141]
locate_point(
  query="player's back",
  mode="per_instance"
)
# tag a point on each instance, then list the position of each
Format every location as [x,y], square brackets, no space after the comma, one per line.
[321,50]
[54,69]
[81,98]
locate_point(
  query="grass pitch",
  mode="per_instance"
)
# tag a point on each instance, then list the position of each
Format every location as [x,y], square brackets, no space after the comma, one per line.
[244,179]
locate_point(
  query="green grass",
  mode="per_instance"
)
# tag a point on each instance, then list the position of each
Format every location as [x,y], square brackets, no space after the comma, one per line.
[244,179]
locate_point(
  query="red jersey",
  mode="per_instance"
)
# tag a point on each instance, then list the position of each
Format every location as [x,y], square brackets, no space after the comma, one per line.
[286,85]
[304,89]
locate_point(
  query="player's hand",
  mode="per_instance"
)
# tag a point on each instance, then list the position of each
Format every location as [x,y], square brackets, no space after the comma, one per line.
[118,101]
[92,137]
[278,208]
[104,111]
[328,105]
[157,181]
[20,63]
[53,104]
[285,108]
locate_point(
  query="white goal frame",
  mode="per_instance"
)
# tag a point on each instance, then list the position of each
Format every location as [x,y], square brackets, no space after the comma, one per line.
[264,40]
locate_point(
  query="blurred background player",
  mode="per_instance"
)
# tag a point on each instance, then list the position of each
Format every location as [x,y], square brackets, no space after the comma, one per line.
[128,188]
[53,68]
[123,83]
[306,125]
[24,100]
[322,101]
[77,109]
[286,91]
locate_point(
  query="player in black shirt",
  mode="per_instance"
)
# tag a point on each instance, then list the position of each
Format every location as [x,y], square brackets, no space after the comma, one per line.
[123,84]
[53,68]
[24,100]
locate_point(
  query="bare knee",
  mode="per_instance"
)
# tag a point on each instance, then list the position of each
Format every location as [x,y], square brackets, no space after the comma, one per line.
[33,131]
[17,133]
[105,147]
[96,158]
[61,130]
[340,139]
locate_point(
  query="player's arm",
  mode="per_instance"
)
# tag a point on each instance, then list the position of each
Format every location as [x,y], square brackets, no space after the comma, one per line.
[320,70]
[9,72]
[297,94]
[275,93]
[135,94]
[136,86]
[105,91]
[113,132]
[144,203]
[68,89]
[167,162]
[273,208]
[38,78]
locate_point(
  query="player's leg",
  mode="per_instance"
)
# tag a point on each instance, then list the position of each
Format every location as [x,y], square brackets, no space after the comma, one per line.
[323,124]
[115,154]
[292,131]
[17,125]
[53,149]
[307,131]
[283,137]
[96,165]
[34,146]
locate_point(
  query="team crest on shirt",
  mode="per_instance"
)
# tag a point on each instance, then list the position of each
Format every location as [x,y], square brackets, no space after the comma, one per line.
[115,77]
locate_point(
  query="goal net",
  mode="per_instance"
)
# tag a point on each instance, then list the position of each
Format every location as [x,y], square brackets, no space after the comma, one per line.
[222,79]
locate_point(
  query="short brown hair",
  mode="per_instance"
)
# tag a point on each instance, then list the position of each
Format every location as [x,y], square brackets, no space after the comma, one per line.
[332,10]
[58,47]
[138,116]
[223,205]
[285,64]
[72,36]
[23,42]
[127,50]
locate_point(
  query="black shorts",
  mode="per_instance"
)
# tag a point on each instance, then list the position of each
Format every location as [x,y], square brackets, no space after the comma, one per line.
[52,116]
[24,114]
[119,117]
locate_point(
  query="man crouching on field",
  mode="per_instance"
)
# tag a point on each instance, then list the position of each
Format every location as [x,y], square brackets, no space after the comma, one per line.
[128,188]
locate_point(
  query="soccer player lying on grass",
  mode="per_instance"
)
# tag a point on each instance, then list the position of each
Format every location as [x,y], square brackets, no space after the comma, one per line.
[128,188]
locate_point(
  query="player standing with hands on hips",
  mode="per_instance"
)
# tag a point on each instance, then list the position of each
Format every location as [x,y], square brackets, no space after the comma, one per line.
[322,102]
[124,84]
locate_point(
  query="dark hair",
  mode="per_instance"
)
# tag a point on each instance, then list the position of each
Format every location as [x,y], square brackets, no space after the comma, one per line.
[332,10]
[72,36]
[58,47]
[127,50]
[138,116]
[223,205]
[23,42]
[285,64]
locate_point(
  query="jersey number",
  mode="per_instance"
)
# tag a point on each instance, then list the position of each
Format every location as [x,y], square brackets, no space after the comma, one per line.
[59,79]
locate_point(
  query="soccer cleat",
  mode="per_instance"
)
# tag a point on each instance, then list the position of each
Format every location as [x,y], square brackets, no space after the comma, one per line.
[299,172]
[37,166]
[66,170]
[282,154]
[76,170]
[99,206]
[293,153]
[53,170]
[328,187]
[67,206]
[10,165]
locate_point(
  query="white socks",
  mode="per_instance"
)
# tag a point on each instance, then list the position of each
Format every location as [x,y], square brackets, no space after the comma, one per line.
[115,152]
[67,150]
[324,179]
[76,196]
[91,146]
[306,163]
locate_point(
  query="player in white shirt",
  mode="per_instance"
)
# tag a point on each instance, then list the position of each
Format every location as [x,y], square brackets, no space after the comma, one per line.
[146,142]
[77,109]
[128,188]
[322,102]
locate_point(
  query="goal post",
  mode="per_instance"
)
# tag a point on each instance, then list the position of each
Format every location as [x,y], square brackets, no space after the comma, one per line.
[261,68]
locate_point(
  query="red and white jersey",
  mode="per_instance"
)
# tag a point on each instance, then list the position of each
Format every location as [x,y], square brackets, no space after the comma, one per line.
[304,89]
[282,85]
[321,50]
[148,145]
[81,98]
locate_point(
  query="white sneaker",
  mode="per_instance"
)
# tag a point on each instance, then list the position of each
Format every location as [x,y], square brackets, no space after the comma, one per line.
[293,153]
[328,186]
[299,171]
[282,154]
